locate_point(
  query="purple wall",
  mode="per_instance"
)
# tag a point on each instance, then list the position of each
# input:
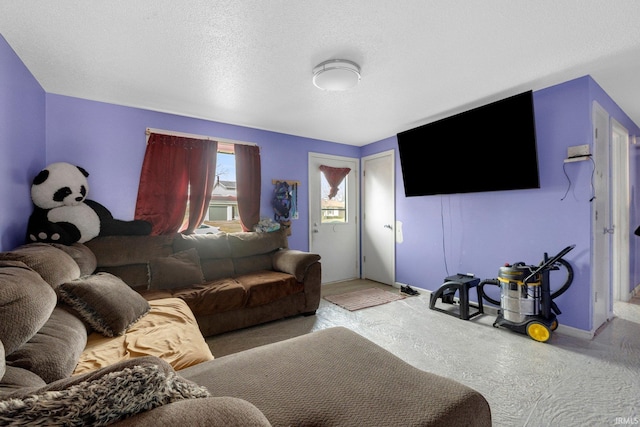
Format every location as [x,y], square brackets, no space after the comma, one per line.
[22,144]
[480,232]
[109,142]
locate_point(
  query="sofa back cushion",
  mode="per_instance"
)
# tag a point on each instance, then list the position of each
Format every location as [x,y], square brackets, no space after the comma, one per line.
[214,253]
[81,254]
[179,270]
[54,265]
[26,301]
[214,246]
[127,256]
[2,364]
[53,352]
[252,243]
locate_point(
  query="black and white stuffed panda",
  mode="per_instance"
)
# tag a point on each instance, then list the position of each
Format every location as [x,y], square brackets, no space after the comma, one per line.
[62,214]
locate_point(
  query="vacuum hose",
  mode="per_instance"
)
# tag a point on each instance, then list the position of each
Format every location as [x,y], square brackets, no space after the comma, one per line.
[554,294]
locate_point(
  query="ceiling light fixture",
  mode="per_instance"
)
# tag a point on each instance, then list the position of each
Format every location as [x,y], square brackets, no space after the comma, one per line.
[336,75]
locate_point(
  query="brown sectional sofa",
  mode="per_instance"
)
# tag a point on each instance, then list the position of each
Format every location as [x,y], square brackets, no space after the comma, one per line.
[247,278]
[60,303]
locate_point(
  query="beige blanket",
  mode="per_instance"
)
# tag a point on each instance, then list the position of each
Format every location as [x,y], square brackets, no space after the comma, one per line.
[168,331]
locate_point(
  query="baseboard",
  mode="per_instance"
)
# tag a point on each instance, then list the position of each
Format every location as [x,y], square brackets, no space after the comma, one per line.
[493,311]
[574,332]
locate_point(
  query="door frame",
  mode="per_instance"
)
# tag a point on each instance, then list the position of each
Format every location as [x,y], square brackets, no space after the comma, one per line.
[391,154]
[601,265]
[620,211]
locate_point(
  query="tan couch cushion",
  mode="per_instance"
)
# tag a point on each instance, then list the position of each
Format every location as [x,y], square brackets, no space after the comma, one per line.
[169,331]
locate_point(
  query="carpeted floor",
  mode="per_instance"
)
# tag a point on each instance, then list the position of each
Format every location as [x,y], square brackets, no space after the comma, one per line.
[566,382]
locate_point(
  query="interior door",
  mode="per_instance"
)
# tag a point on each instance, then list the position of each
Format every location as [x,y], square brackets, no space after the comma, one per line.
[333,222]
[378,218]
[601,263]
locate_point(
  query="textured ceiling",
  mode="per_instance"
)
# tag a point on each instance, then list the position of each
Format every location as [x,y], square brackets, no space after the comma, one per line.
[249,62]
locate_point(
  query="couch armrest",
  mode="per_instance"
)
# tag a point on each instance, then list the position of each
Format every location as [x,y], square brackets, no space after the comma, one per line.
[210,411]
[294,262]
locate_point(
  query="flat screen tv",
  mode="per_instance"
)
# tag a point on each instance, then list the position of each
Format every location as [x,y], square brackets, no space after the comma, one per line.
[489,148]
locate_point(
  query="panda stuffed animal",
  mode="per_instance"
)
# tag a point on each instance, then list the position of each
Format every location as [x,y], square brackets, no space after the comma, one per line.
[62,214]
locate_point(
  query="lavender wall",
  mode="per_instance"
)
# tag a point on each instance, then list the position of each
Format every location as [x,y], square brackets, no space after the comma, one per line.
[480,232]
[109,142]
[22,143]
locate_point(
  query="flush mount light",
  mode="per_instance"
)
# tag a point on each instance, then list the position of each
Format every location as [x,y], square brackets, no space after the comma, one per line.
[336,75]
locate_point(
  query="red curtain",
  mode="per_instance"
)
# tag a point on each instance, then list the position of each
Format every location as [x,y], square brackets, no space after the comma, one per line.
[334,177]
[248,182]
[171,165]
[202,176]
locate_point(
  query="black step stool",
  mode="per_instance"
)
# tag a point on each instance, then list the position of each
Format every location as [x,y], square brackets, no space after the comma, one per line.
[460,283]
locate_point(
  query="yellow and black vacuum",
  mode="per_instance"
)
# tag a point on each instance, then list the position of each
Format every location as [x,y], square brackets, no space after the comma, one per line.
[526,299]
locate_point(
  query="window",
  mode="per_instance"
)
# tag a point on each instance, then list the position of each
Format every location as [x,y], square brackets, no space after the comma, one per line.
[333,210]
[222,214]
[178,172]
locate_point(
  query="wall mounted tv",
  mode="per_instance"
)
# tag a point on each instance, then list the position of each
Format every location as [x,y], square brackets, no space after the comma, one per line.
[489,148]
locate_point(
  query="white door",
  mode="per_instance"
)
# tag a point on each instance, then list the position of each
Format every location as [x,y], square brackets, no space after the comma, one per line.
[620,211]
[601,263]
[378,218]
[333,223]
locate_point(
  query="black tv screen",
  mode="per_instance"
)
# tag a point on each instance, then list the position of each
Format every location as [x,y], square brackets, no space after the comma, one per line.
[489,148]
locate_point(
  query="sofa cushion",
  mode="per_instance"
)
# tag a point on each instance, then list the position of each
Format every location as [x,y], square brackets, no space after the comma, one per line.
[26,301]
[105,302]
[294,262]
[2,363]
[245,244]
[211,411]
[207,298]
[17,379]
[207,245]
[265,286]
[52,264]
[179,270]
[253,263]
[169,331]
[134,275]
[54,351]
[217,268]
[81,254]
[101,397]
[111,251]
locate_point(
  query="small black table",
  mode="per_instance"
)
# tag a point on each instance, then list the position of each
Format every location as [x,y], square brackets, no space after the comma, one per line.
[460,283]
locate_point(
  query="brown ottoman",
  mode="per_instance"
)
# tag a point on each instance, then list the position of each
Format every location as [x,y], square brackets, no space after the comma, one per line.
[336,377]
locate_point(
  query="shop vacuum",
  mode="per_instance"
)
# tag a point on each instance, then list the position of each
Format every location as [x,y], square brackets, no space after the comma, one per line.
[526,299]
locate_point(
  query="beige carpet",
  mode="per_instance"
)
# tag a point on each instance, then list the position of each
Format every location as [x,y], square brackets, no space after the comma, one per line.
[357,300]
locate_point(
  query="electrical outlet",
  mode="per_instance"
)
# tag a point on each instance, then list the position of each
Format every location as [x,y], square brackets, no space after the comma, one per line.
[578,151]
